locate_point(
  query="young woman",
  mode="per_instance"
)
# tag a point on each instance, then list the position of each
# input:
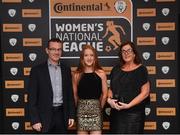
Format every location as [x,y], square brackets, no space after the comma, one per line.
[90,92]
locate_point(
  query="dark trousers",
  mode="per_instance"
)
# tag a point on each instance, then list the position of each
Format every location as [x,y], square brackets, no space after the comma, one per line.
[57,122]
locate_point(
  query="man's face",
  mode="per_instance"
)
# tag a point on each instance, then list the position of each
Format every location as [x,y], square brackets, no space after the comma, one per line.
[54,51]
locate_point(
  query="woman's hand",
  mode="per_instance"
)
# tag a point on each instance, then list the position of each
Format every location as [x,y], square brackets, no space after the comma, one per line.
[123,106]
[113,103]
[117,105]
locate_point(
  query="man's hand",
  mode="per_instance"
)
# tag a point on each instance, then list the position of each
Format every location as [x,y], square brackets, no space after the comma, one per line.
[70,122]
[37,127]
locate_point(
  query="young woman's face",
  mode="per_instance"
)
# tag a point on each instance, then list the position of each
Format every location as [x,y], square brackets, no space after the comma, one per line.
[127,53]
[88,57]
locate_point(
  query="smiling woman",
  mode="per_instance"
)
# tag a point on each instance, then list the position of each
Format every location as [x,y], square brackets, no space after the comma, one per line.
[128,93]
[90,92]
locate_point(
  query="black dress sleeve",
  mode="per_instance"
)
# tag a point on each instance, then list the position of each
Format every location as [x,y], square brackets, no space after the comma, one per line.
[145,79]
[112,74]
[144,76]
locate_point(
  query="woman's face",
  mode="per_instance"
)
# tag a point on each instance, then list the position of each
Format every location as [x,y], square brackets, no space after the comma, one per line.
[127,54]
[88,57]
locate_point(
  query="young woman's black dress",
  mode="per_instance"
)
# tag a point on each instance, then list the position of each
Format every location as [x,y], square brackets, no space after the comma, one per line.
[126,85]
[89,117]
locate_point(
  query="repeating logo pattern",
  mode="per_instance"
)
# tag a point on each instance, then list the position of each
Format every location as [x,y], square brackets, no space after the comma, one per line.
[32,27]
[146,26]
[146,55]
[12,12]
[166,125]
[165,96]
[165,40]
[14,97]
[165,11]
[108,111]
[14,71]
[12,41]
[32,56]
[165,69]
[155,26]
[147,111]
[15,125]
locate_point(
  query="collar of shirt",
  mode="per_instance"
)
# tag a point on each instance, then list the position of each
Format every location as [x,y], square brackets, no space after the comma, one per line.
[50,64]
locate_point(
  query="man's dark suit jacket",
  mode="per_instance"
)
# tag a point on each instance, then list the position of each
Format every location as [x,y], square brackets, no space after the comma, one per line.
[40,96]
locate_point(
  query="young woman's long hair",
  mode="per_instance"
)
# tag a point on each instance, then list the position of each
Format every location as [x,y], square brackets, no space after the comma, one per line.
[137,59]
[81,67]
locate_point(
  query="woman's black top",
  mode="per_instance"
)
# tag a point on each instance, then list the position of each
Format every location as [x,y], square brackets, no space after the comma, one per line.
[126,85]
[90,86]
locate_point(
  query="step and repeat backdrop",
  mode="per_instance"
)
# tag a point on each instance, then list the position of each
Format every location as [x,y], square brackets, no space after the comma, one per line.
[27,25]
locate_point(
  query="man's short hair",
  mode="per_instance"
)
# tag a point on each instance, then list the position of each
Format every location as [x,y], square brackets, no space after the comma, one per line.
[54,40]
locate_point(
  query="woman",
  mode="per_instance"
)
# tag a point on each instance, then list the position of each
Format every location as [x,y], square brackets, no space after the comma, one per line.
[129,92]
[90,92]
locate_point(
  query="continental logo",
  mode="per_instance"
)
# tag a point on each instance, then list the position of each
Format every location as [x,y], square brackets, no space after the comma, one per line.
[28,126]
[165,111]
[151,70]
[107,70]
[32,42]
[146,40]
[13,57]
[14,112]
[146,12]
[91,8]
[12,27]
[165,26]
[153,97]
[11,1]
[25,98]
[165,83]
[165,0]
[71,7]
[150,125]
[31,13]
[14,84]
[27,71]
[165,55]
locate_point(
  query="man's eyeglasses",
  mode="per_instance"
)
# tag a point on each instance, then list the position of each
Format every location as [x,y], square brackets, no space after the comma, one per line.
[54,50]
[128,51]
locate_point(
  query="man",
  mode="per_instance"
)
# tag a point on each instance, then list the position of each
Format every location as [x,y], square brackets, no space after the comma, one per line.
[51,102]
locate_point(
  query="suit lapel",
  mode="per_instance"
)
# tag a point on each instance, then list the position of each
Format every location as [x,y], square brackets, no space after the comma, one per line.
[47,76]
